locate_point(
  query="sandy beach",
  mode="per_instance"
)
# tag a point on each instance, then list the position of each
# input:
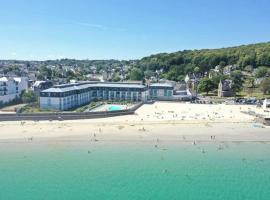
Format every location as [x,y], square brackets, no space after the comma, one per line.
[158,121]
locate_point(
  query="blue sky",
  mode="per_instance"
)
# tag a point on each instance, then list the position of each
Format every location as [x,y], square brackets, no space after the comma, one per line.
[126,29]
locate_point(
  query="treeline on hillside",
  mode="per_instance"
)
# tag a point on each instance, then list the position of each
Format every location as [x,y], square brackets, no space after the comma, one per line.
[176,65]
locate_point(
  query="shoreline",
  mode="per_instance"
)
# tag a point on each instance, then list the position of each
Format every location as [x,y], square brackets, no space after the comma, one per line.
[183,132]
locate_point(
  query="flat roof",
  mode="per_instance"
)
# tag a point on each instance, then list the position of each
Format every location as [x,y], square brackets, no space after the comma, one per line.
[161,85]
[3,79]
[79,86]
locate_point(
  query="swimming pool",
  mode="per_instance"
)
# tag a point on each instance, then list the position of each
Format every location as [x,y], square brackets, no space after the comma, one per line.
[115,108]
[109,107]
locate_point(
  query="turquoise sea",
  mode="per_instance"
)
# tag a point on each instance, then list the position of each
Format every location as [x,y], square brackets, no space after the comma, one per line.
[134,171]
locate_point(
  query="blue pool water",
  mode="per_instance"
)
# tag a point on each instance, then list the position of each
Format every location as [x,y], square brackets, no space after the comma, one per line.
[115,108]
[108,107]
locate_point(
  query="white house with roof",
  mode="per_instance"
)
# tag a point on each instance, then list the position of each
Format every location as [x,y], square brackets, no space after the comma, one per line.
[12,87]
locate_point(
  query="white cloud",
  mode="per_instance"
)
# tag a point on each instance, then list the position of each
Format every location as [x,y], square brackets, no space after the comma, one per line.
[94,26]
[100,27]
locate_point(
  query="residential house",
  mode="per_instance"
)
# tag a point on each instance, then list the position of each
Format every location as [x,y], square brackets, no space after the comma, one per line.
[12,87]
[229,69]
[225,88]
[192,80]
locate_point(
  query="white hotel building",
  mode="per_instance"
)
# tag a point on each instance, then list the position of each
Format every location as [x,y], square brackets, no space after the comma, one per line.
[12,87]
[67,96]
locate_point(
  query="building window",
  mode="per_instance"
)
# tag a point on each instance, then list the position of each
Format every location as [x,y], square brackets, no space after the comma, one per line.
[155,93]
[49,102]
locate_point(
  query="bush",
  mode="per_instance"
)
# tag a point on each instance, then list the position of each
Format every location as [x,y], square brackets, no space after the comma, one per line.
[28,96]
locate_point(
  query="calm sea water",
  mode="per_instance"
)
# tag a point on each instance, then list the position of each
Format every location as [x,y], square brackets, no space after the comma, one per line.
[135,171]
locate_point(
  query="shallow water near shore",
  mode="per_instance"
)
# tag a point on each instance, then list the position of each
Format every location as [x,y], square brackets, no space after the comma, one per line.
[134,171]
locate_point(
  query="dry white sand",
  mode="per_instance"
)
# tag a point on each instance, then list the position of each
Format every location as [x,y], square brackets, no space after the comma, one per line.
[156,122]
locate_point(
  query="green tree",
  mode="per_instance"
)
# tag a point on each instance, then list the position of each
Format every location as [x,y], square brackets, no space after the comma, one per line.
[148,74]
[265,86]
[196,70]
[71,75]
[172,75]
[249,68]
[261,72]
[28,96]
[15,69]
[116,78]
[136,74]
[216,79]
[222,64]
[237,81]
[45,72]
[181,78]
[206,85]
[40,77]
[250,81]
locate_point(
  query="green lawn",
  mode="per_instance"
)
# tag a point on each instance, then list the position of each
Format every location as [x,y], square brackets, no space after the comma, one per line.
[246,92]
[34,108]
[253,92]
